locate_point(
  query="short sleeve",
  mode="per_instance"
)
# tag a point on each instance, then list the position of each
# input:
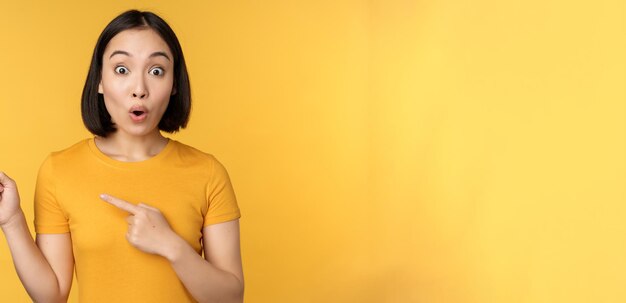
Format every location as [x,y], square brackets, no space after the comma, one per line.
[49,216]
[222,204]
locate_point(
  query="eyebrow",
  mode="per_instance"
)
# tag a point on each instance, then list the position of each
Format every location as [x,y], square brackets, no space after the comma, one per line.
[155,54]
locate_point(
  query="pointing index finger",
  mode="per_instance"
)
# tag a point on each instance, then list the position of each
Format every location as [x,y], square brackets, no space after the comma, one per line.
[119,203]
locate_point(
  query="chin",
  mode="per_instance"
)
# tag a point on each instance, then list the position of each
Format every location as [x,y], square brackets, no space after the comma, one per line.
[138,131]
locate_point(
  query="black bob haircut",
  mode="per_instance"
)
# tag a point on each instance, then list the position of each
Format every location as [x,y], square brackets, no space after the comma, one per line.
[94,113]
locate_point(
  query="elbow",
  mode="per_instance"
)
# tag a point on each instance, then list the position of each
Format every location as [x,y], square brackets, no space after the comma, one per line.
[58,296]
[233,293]
[237,293]
[59,299]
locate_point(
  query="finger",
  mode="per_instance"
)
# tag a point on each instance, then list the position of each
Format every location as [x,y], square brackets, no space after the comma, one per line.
[130,220]
[5,180]
[119,203]
[146,206]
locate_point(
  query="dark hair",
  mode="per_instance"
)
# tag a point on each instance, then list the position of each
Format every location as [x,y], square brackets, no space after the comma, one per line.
[94,113]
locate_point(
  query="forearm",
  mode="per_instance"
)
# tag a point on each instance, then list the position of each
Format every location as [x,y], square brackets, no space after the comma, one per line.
[203,280]
[32,267]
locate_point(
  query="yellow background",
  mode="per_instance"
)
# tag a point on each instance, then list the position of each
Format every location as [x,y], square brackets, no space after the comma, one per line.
[381,151]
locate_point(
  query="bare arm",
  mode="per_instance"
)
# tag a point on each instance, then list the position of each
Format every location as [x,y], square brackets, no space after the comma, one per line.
[45,271]
[219,278]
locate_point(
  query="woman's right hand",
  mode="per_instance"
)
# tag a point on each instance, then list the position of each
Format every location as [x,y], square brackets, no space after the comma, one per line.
[9,200]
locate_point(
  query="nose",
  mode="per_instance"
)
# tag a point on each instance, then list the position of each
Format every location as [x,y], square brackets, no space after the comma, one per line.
[140,90]
[139,95]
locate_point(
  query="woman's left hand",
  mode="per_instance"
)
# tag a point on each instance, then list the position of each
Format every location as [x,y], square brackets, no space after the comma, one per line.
[148,229]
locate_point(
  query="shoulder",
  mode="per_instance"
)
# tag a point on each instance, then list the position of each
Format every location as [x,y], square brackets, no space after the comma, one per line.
[61,158]
[79,148]
[67,154]
[197,163]
[190,154]
[195,160]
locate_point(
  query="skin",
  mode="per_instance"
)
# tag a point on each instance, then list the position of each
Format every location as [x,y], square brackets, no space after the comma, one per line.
[137,71]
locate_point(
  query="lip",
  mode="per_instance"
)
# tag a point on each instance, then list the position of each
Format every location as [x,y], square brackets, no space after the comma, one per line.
[138,118]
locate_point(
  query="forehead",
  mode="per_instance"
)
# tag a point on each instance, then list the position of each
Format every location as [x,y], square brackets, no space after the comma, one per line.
[138,42]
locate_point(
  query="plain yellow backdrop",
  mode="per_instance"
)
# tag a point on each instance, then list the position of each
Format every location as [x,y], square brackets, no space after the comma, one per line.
[381,151]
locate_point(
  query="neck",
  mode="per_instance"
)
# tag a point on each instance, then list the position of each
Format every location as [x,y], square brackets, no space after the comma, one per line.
[124,147]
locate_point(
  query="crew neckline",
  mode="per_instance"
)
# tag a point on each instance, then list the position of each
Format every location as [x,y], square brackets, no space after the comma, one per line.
[123,164]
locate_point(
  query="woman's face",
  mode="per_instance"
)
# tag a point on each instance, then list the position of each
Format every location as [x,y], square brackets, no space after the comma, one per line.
[137,80]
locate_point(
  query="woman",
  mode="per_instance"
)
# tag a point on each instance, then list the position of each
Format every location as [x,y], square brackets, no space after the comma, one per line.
[130,209]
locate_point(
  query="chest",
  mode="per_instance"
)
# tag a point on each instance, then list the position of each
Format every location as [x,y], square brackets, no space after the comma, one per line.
[98,227]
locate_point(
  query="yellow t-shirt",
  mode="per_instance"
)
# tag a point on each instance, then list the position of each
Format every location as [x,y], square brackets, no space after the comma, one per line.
[191,188]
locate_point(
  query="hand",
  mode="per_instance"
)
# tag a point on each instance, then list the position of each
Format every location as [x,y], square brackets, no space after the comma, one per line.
[148,229]
[9,200]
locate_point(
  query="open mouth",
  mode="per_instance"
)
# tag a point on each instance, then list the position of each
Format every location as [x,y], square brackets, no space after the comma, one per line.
[138,113]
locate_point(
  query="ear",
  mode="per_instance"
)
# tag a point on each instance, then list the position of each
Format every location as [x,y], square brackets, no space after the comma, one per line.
[100,90]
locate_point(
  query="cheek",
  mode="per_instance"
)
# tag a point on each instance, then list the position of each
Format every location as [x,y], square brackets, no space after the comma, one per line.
[110,109]
[112,99]
[163,104]
[168,86]
[162,92]
[112,90]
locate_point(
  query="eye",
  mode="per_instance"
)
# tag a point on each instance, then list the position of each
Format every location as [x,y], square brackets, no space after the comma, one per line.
[121,70]
[157,71]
